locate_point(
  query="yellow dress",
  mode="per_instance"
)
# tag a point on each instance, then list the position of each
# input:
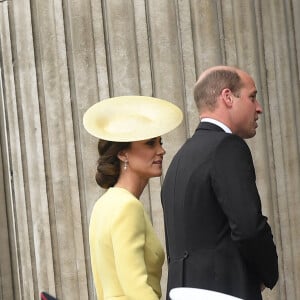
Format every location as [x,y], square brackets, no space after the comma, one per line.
[126,255]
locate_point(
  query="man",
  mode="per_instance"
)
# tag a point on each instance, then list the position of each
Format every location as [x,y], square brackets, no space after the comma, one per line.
[216,235]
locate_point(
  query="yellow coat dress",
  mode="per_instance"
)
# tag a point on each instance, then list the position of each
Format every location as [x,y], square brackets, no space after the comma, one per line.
[126,255]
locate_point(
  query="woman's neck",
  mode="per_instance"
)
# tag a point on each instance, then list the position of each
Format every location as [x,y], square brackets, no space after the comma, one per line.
[133,185]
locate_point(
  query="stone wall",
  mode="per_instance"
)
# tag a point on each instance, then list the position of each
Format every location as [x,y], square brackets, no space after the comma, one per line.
[59,57]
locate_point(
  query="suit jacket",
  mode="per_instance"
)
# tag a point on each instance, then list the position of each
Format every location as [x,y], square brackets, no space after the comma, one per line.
[126,255]
[216,235]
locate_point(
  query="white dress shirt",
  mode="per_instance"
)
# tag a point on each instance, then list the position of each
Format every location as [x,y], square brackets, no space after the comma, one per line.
[218,123]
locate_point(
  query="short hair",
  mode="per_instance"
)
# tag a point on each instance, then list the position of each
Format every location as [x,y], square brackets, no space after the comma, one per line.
[108,164]
[208,88]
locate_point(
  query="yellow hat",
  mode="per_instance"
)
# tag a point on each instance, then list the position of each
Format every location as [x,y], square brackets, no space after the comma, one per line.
[131,118]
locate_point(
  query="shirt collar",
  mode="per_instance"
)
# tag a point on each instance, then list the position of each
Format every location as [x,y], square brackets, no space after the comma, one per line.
[218,123]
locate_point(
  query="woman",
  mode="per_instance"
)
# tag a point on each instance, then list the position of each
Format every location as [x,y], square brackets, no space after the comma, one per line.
[126,255]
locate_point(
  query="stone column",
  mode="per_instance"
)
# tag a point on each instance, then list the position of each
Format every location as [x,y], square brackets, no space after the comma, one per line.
[59,57]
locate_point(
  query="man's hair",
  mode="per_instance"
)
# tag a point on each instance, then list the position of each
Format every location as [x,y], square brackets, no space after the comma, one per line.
[208,88]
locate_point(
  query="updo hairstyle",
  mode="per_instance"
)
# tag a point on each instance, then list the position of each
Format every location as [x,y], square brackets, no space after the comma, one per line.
[108,164]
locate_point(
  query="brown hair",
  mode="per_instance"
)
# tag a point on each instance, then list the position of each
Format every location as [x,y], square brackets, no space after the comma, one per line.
[208,88]
[108,165]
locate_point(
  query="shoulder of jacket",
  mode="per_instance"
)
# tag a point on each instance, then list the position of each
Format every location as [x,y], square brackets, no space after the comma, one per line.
[232,139]
[123,200]
[117,200]
[232,145]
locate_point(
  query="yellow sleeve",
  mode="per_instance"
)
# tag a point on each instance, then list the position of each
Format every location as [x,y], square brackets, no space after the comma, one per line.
[128,238]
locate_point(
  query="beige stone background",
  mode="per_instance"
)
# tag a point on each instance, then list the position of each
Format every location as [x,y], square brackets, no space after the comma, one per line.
[57,57]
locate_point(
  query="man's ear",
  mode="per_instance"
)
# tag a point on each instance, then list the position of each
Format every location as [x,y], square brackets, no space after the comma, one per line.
[227,97]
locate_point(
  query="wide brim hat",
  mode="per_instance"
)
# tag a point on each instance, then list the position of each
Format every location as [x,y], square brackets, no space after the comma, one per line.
[131,118]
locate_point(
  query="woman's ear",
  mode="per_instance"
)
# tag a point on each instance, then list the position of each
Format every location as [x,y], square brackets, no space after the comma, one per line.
[122,155]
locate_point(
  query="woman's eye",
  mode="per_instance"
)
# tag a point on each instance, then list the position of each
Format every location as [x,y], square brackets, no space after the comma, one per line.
[154,142]
[150,143]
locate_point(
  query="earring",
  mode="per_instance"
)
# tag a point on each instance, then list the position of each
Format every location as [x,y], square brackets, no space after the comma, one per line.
[125,165]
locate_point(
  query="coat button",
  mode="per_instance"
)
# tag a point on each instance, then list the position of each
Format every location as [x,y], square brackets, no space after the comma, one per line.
[185,254]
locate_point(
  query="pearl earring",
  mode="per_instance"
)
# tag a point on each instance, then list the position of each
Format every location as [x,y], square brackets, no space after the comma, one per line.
[125,165]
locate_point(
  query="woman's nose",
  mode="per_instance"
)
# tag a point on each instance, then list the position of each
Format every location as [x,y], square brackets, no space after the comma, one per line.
[161,151]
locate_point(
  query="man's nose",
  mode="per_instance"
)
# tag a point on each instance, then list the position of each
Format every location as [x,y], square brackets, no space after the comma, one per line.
[259,107]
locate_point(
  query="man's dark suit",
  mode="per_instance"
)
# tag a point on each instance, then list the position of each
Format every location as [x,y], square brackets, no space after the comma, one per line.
[216,235]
